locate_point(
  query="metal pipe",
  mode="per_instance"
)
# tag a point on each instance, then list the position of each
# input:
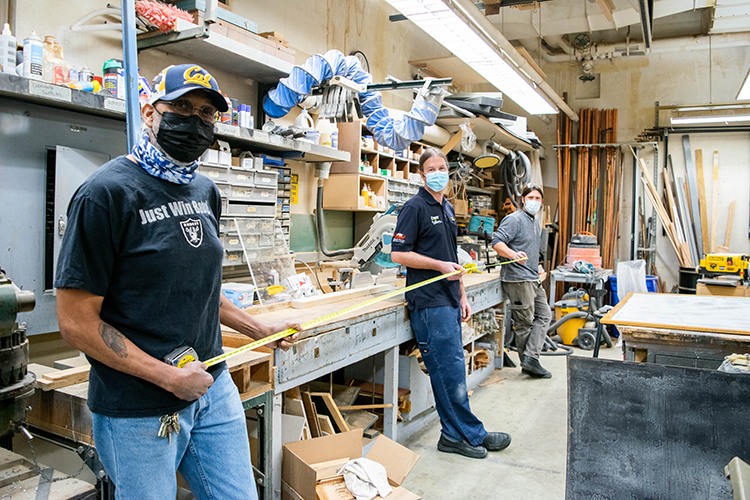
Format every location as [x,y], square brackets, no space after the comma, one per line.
[319,220]
[506,48]
[130,58]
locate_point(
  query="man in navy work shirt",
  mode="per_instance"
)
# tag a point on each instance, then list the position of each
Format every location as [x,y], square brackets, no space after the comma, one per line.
[425,242]
[518,238]
[139,275]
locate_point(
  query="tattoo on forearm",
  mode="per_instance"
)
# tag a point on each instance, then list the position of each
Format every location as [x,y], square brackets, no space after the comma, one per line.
[113,339]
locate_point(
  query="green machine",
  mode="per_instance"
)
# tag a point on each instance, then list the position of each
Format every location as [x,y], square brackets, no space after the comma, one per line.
[16,383]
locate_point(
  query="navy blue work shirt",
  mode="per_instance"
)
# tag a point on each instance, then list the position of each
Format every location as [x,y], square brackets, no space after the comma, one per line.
[428,228]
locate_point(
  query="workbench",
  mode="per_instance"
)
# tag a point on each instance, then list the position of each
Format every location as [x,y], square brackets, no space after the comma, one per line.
[597,278]
[342,341]
[682,330]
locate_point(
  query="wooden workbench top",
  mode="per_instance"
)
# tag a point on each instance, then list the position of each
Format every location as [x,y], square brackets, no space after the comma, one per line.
[284,312]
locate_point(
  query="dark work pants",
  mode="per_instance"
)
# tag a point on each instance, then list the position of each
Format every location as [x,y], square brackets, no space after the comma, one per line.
[438,333]
[531,316]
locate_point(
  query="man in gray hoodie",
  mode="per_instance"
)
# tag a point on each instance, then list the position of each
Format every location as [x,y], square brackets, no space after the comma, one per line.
[518,238]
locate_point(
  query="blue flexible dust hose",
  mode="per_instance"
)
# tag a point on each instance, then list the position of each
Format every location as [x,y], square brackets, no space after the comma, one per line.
[396,134]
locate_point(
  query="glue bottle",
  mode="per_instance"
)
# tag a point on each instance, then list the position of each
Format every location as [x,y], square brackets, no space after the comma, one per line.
[7,50]
[33,57]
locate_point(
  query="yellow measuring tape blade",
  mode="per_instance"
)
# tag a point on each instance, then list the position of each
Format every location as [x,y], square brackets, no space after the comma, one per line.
[317,321]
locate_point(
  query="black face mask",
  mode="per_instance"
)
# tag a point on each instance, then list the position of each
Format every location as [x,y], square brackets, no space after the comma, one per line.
[184,138]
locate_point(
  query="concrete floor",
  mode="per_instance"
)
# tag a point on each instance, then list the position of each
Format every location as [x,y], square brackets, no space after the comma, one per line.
[533,412]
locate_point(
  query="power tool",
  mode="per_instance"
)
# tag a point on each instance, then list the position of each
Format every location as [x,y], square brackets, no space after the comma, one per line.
[725,264]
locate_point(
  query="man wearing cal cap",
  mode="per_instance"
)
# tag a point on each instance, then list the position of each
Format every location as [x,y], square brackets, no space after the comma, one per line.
[138,278]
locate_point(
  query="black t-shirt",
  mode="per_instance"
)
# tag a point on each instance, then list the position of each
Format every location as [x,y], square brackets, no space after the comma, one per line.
[151,248]
[428,228]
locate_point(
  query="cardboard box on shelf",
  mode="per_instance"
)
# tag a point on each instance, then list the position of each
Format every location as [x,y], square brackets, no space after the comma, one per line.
[300,477]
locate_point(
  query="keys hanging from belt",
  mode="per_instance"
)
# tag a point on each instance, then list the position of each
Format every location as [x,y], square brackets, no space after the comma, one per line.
[169,424]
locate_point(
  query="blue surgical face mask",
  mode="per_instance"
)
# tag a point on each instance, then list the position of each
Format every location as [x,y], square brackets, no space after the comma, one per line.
[437,180]
[533,206]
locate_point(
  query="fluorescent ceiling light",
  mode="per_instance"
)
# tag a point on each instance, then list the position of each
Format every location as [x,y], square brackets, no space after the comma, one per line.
[710,119]
[744,94]
[443,24]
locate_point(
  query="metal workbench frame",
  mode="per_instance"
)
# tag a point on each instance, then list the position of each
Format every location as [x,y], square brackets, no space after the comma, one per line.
[337,345]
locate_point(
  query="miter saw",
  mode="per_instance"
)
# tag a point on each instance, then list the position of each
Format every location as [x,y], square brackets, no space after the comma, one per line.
[372,254]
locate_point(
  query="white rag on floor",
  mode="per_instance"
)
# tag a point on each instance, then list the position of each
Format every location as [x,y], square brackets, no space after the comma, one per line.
[366,479]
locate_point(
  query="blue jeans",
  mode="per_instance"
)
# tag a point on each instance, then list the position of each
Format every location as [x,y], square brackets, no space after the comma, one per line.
[438,333]
[211,451]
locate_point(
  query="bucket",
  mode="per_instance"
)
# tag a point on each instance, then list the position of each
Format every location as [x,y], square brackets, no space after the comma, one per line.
[688,280]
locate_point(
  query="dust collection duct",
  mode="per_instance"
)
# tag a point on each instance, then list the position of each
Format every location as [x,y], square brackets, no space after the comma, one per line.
[396,134]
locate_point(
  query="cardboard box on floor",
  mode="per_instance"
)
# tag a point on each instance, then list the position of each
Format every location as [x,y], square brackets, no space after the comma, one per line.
[299,478]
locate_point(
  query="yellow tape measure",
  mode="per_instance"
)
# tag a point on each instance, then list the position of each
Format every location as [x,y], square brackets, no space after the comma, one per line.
[317,321]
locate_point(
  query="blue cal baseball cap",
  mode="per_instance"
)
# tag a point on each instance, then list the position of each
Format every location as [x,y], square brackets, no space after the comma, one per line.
[175,81]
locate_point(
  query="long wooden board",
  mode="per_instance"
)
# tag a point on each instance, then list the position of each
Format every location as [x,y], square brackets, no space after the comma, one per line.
[695,313]
[702,198]
[693,191]
[330,298]
[715,202]
[728,236]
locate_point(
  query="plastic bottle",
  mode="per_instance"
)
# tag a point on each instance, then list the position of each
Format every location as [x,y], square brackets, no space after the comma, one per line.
[235,112]
[226,116]
[111,80]
[273,276]
[326,129]
[365,194]
[54,69]
[7,50]
[33,57]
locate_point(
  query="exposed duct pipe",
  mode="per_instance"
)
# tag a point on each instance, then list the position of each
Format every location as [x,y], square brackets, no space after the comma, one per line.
[468,7]
[667,45]
[560,42]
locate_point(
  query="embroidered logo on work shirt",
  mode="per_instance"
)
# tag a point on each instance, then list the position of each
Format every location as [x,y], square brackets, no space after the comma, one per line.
[399,236]
[192,229]
[435,219]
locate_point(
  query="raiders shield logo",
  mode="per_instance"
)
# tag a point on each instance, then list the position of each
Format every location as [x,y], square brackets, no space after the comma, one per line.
[193,231]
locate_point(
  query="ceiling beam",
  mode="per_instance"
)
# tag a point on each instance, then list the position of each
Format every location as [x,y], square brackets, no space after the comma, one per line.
[607,8]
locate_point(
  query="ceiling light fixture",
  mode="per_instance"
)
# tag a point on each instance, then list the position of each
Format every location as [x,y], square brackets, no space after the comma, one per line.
[710,119]
[717,113]
[455,34]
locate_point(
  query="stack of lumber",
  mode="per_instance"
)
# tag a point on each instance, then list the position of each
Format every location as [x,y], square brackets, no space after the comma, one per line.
[591,202]
[671,223]
[564,179]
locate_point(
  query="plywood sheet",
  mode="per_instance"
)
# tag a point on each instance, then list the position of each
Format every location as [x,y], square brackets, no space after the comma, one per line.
[683,312]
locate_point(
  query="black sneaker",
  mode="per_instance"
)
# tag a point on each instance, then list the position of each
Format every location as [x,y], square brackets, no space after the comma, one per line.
[531,366]
[496,441]
[463,448]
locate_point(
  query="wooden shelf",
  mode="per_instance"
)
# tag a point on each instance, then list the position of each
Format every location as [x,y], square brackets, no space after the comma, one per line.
[476,190]
[342,191]
[220,52]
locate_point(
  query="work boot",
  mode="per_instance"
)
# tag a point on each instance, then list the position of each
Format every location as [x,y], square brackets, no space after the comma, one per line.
[496,441]
[531,366]
[463,448]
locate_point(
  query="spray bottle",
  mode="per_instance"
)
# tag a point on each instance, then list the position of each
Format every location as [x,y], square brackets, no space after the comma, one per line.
[33,56]
[7,50]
